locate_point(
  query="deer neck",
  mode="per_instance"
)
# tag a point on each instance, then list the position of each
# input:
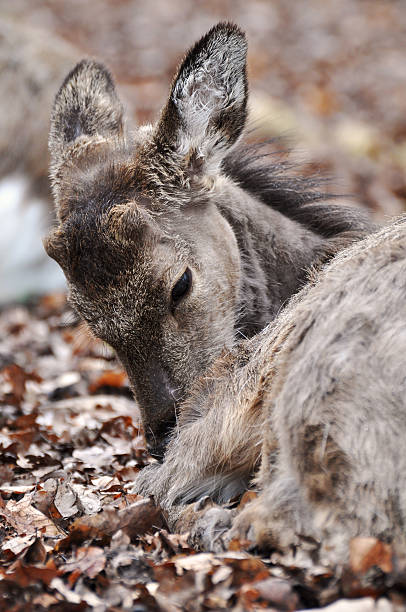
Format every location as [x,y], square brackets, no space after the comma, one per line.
[276,253]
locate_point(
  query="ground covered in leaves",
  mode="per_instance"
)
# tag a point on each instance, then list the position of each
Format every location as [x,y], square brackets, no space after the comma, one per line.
[73,535]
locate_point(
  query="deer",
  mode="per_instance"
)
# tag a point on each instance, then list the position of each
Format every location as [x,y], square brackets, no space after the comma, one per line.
[177,240]
[310,412]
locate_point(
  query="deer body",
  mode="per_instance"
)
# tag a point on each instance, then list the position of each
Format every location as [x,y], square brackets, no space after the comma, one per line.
[176,241]
[314,407]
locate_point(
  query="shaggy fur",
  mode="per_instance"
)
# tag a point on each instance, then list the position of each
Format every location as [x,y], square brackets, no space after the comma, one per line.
[137,210]
[319,398]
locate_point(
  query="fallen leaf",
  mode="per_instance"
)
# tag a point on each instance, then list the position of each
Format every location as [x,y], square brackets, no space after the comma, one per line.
[202,562]
[19,543]
[17,377]
[88,502]
[221,574]
[94,457]
[276,592]
[65,591]
[65,500]
[26,519]
[368,552]
[36,553]
[135,520]
[45,600]
[16,488]
[25,575]
[88,560]
[109,378]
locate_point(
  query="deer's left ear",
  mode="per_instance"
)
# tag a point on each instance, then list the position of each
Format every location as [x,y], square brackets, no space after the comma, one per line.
[87,114]
[85,105]
[206,110]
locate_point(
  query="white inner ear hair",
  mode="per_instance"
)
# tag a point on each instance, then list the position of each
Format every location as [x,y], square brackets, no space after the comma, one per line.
[215,86]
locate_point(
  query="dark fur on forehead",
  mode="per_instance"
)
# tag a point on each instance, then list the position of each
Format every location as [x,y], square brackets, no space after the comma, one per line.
[106,174]
[96,182]
[96,248]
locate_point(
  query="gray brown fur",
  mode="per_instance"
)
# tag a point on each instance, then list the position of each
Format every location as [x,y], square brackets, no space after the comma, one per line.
[318,401]
[136,209]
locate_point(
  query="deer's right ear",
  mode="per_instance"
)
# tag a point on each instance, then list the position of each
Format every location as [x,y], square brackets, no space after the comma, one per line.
[86,105]
[207,106]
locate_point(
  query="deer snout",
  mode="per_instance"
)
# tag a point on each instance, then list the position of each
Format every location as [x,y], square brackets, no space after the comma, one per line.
[157,398]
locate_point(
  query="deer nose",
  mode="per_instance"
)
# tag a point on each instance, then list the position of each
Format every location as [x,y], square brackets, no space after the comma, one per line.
[162,389]
[157,399]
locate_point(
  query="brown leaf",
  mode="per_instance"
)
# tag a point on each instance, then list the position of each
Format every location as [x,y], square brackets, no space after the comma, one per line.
[17,377]
[274,591]
[6,474]
[44,495]
[120,427]
[175,543]
[247,497]
[25,575]
[52,303]
[109,378]
[89,560]
[368,552]
[26,421]
[135,520]
[36,553]
[26,519]
[127,474]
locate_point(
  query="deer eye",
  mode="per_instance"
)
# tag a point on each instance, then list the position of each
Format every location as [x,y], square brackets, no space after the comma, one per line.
[182,286]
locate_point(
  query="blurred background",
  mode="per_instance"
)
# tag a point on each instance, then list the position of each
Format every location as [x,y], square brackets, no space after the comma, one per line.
[327,77]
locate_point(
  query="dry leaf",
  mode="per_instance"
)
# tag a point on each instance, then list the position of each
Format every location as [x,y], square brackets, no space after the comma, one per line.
[135,520]
[19,543]
[17,377]
[276,592]
[26,519]
[25,575]
[88,560]
[109,378]
[368,552]
[65,500]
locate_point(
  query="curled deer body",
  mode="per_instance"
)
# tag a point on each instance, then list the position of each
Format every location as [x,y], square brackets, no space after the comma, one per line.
[313,409]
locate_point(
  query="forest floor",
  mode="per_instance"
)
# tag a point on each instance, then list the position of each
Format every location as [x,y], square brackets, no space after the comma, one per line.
[73,535]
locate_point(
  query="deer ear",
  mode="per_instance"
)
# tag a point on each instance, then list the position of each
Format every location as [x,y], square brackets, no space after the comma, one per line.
[206,111]
[85,105]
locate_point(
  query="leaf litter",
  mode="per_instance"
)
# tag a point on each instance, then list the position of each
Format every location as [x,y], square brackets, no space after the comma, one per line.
[74,536]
